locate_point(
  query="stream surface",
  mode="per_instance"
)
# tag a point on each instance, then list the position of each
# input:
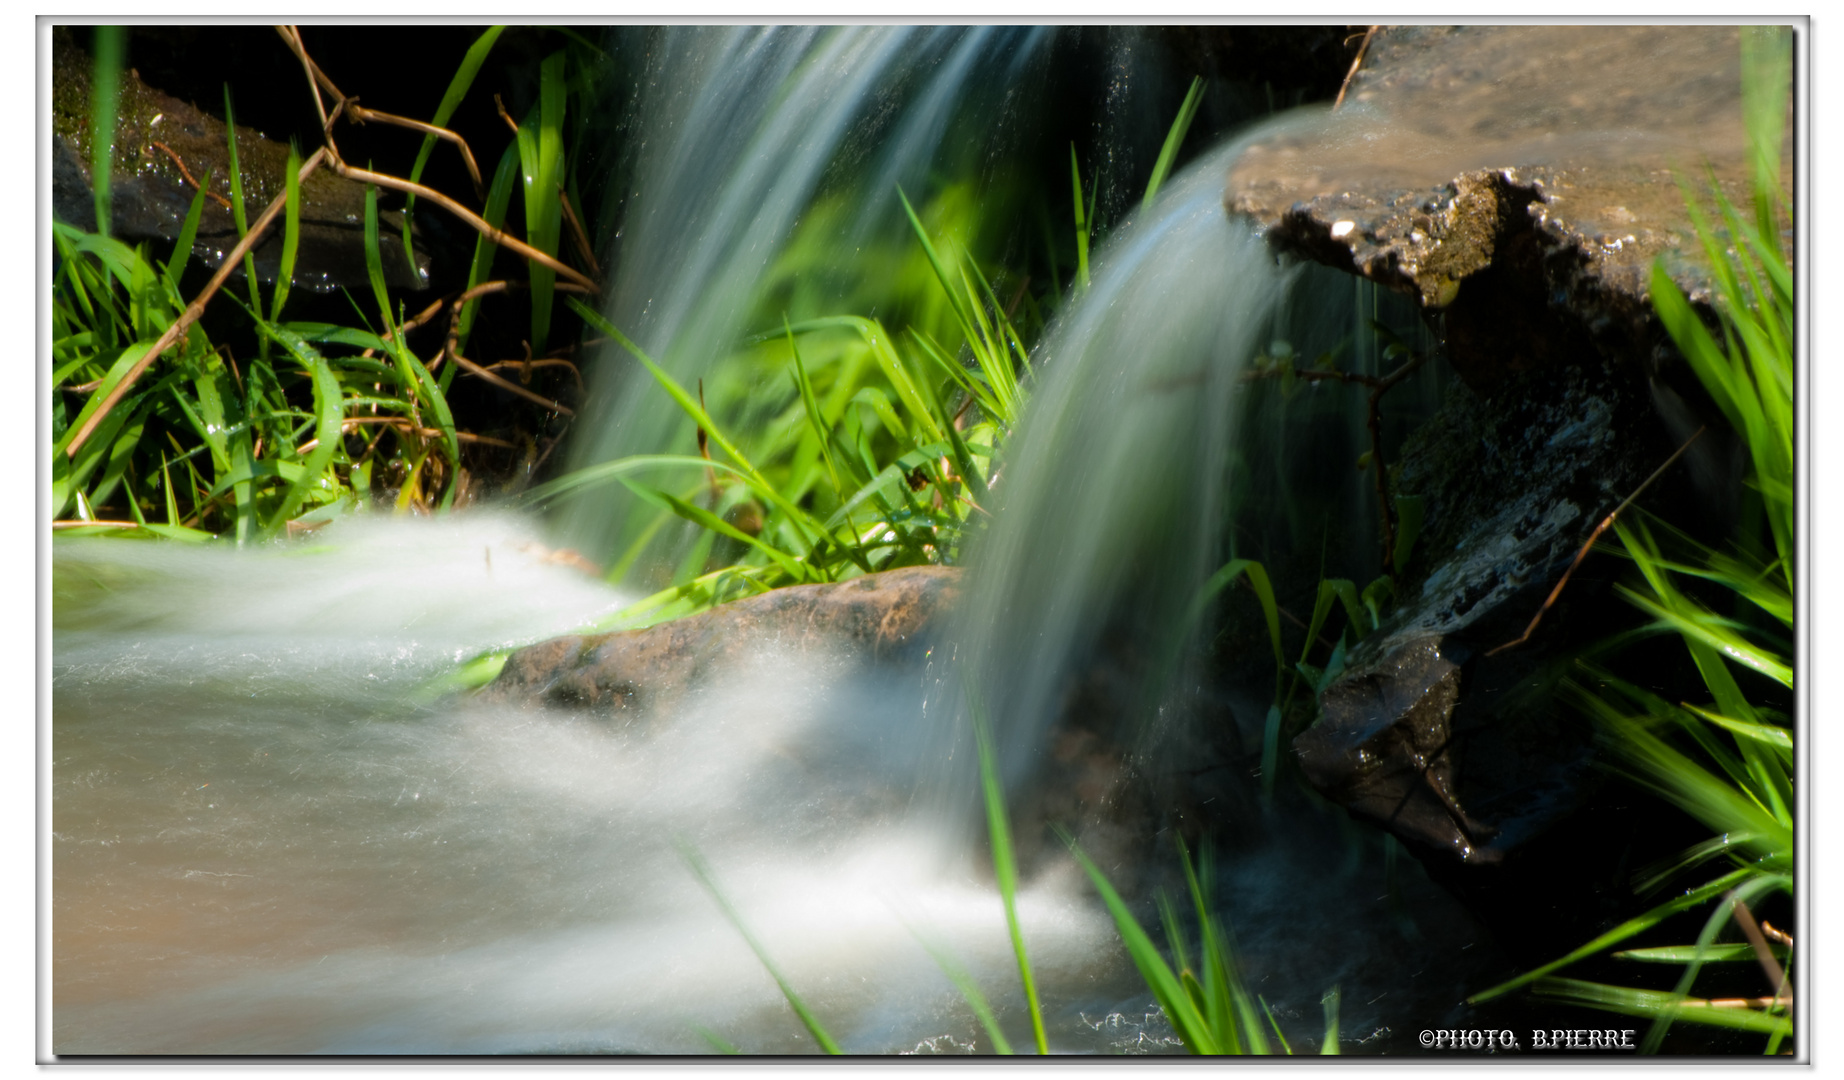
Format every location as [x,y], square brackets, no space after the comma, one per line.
[268,838]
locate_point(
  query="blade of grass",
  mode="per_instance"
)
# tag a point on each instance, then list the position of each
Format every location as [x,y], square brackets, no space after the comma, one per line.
[1174,138]
[1005,867]
[541,153]
[969,990]
[104,97]
[702,871]
[803,522]
[1646,921]
[451,100]
[1330,1002]
[1166,986]
[1652,1003]
[795,569]
[291,233]
[329,413]
[182,247]
[235,176]
[1082,221]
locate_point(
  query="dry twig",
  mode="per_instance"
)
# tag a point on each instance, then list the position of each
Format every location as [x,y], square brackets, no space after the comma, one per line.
[1606,522]
[1356,62]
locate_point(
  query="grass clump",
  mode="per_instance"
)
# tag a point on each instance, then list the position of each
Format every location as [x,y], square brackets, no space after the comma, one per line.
[1727,761]
[160,430]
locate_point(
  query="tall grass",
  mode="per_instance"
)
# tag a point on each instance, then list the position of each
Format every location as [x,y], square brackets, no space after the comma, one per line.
[1728,761]
[317,419]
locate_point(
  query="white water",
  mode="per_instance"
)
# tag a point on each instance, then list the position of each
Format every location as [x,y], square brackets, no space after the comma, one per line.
[263,845]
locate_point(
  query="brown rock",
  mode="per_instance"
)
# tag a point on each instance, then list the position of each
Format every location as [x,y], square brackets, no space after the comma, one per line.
[884,618]
[1517,178]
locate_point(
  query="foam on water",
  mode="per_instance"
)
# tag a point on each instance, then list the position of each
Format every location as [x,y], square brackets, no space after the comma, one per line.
[261,845]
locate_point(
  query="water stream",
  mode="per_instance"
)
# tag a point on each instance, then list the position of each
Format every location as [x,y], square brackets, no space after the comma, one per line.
[271,837]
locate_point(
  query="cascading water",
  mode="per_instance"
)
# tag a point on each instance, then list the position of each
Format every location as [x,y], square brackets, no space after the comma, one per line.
[1111,497]
[269,837]
[739,130]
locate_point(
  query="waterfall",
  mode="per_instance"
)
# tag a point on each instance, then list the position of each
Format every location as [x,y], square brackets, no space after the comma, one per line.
[738,130]
[1110,503]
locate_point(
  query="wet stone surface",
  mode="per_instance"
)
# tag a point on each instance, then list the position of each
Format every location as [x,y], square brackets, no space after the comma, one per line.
[150,194]
[1519,179]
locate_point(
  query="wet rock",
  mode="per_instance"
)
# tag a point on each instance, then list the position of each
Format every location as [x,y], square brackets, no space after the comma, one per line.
[1457,751]
[884,618]
[1518,179]
[1382,746]
[150,193]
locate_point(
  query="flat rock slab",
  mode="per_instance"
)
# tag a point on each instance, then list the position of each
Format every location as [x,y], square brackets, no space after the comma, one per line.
[883,618]
[1545,153]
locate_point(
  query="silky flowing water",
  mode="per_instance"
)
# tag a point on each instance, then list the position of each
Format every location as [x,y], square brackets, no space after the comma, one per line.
[274,832]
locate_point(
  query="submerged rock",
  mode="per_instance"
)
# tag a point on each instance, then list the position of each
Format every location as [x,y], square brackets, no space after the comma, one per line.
[151,193]
[884,618]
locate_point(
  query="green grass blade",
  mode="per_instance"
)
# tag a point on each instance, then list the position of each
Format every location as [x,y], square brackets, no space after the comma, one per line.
[715,1041]
[963,455]
[699,516]
[499,197]
[1714,634]
[451,100]
[416,378]
[182,247]
[541,152]
[821,431]
[804,524]
[1637,924]
[105,80]
[1330,1003]
[1766,734]
[238,212]
[970,991]
[955,299]
[1275,1026]
[1160,979]
[1174,139]
[1684,954]
[291,233]
[329,414]
[1654,1004]
[702,871]
[1004,865]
